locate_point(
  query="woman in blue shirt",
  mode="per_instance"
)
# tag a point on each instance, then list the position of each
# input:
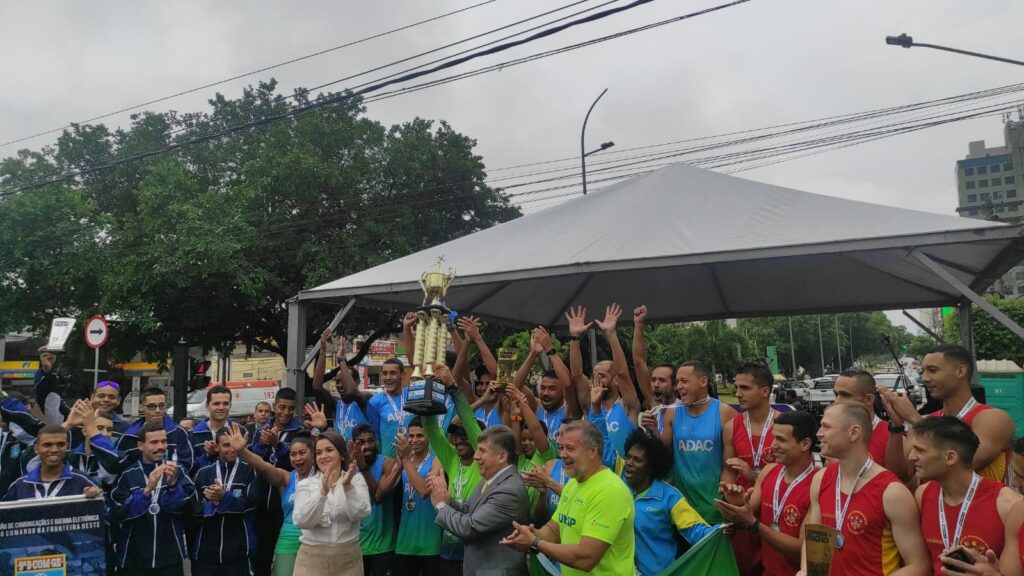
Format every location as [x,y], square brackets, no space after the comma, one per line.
[661,509]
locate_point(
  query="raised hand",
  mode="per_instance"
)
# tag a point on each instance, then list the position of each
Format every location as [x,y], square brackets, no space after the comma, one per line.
[537,477]
[577,318]
[328,478]
[899,407]
[210,447]
[325,337]
[357,455]
[315,417]
[741,467]
[237,436]
[597,392]
[470,326]
[611,318]
[74,418]
[438,490]
[535,344]
[640,314]
[649,422]
[543,338]
[154,479]
[170,473]
[402,447]
[443,374]
[346,480]
[409,321]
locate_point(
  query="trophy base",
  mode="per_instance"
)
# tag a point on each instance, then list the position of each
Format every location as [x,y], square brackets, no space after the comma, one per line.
[426,398]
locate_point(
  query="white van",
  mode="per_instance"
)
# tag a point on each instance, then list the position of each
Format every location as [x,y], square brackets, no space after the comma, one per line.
[245,395]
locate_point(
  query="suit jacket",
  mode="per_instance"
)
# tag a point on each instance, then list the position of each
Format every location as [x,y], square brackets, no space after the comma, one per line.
[483,520]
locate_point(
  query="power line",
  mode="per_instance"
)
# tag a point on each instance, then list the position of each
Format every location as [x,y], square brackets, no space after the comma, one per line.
[164,137]
[252,73]
[320,103]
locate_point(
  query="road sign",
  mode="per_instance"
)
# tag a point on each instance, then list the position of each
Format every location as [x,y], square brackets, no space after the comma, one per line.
[96,332]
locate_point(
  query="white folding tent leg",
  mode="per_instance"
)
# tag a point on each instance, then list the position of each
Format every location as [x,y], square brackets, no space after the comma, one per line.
[969,294]
[296,376]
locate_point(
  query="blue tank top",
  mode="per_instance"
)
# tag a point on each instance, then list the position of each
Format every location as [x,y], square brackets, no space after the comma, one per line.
[492,418]
[619,427]
[288,540]
[553,420]
[377,531]
[347,417]
[698,457]
[558,475]
[417,533]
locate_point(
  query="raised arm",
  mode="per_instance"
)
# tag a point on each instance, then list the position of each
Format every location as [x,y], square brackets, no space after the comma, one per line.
[408,338]
[274,476]
[643,371]
[471,328]
[572,400]
[321,361]
[619,368]
[540,439]
[578,325]
[461,368]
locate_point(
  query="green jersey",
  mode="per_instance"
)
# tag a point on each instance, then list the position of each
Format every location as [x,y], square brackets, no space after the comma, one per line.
[598,509]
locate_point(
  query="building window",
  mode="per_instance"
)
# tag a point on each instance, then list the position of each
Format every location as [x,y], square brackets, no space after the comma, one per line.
[1011,193]
[972,197]
[1008,167]
[1009,179]
[997,195]
[982,183]
[970,184]
[984,197]
[968,171]
[994,168]
[997,182]
[982,170]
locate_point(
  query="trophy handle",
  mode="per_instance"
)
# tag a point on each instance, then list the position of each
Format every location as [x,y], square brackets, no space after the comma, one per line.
[423,281]
[449,278]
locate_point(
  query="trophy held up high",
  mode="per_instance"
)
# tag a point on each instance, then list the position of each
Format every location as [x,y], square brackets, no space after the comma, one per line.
[427,396]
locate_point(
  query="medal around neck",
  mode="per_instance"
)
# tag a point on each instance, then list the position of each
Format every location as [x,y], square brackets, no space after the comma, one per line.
[426,395]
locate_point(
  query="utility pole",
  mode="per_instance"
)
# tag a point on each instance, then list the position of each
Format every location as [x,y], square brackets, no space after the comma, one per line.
[792,348]
[821,346]
[839,350]
[583,146]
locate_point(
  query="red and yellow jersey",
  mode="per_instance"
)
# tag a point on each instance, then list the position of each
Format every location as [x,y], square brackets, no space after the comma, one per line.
[983,530]
[998,468]
[868,545]
[879,439]
[794,508]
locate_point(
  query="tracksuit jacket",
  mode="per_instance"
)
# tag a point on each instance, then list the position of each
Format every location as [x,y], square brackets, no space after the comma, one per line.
[178,446]
[225,533]
[147,540]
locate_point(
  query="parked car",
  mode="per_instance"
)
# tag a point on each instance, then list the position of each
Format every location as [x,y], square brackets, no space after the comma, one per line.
[822,393]
[895,380]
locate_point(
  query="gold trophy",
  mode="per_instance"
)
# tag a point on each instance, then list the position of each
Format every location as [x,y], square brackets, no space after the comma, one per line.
[425,395]
[506,366]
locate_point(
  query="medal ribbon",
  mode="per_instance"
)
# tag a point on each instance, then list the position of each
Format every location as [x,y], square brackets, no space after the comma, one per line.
[776,503]
[943,529]
[764,436]
[841,510]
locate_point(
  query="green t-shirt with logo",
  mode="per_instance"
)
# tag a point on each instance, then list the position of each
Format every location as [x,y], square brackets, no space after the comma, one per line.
[594,509]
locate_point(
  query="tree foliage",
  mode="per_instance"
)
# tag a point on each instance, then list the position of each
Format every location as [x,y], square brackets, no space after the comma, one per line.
[205,244]
[992,340]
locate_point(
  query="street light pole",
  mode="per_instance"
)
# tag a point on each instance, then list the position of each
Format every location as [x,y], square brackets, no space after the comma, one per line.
[839,351]
[583,149]
[821,346]
[908,42]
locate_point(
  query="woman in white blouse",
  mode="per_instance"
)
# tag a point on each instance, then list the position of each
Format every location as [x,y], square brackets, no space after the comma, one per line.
[329,506]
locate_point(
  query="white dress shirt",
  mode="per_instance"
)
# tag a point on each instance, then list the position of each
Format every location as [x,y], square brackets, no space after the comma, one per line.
[330,519]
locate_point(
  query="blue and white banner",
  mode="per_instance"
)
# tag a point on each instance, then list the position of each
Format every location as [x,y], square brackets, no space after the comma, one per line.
[54,537]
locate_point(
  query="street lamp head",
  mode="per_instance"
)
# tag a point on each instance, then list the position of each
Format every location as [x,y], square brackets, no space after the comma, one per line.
[607,145]
[901,40]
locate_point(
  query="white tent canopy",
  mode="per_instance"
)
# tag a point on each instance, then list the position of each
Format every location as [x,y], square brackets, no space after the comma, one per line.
[695,244]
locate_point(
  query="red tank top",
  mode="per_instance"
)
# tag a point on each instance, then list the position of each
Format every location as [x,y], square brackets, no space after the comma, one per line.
[879,439]
[997,469]
[794,508]
[982,528]
[745,446]
[868,545]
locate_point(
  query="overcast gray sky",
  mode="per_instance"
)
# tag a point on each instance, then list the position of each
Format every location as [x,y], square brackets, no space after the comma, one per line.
[758,64]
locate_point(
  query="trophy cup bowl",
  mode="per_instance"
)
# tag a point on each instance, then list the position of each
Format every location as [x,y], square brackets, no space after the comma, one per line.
[427,396]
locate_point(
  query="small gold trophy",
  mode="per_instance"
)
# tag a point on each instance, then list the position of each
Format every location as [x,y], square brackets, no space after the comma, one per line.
[426,396]
[506,366]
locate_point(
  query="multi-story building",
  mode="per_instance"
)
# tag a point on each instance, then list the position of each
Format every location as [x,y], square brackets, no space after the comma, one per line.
[990,184]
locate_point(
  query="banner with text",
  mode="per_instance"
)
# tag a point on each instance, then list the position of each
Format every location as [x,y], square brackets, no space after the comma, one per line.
[53,537]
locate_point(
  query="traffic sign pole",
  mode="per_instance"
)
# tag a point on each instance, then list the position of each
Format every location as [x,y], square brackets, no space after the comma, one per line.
[96,369]
[96,334]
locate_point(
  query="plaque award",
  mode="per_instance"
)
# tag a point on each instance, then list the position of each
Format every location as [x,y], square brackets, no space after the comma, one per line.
[427,396]
[506,366]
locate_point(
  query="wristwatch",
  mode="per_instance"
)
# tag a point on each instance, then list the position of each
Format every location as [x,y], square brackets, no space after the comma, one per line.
[896,429]
[535,545]
[753,527]
[551,351]
[574,338]
[440,505]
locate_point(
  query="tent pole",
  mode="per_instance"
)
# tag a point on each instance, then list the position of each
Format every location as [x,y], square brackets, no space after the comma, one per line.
[965,306]
[296,376]
[315,351]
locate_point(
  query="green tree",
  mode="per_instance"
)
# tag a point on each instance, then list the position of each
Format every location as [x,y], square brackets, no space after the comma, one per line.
[207,243]
[992,340]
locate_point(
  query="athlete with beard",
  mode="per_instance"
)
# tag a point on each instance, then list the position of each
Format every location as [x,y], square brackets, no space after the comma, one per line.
[557,389]
[377,533]
[350,409]
[692,431]
[386,412]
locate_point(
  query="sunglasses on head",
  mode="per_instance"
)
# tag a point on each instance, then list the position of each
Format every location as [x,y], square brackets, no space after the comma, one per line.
[113,385]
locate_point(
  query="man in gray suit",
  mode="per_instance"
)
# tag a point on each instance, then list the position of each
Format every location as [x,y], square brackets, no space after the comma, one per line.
[483,520]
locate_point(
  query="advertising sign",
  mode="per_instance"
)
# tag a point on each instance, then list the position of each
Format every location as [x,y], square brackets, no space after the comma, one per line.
[52,537]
